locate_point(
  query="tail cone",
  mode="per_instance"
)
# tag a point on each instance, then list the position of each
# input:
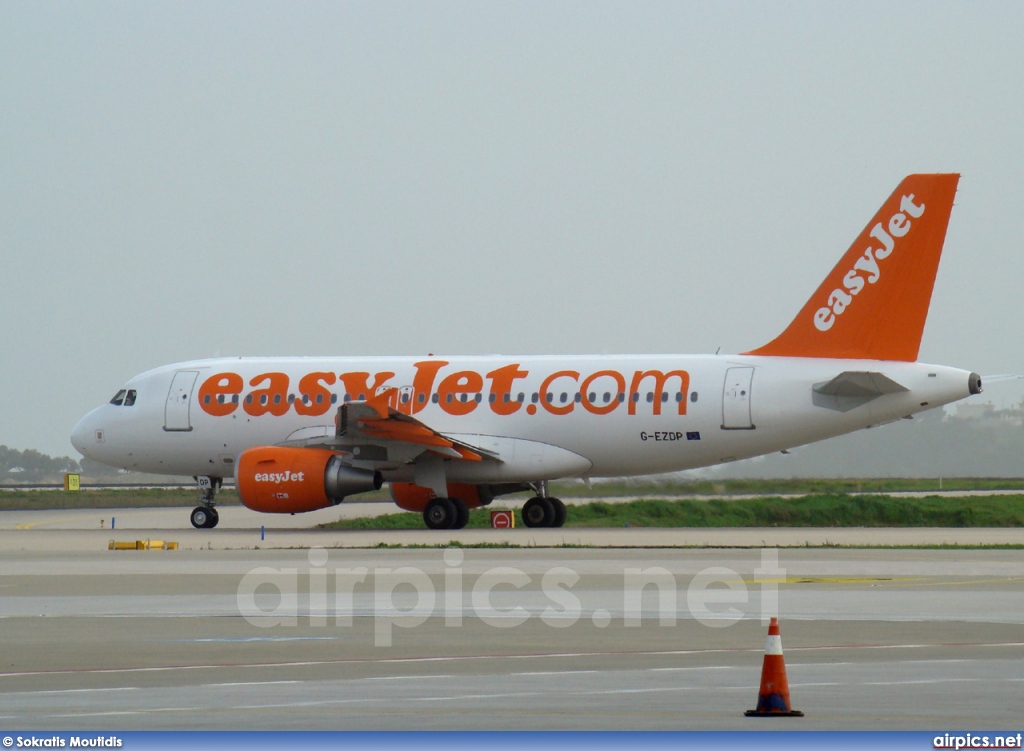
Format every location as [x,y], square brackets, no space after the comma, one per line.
[773,698]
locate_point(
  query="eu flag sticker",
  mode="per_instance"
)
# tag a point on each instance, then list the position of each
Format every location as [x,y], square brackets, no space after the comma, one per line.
[693,435]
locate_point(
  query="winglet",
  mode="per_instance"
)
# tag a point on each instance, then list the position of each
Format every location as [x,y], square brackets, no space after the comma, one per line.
[874,303]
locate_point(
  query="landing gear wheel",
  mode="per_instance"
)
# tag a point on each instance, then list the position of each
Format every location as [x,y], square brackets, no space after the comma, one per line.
[202,518]
[440,513]
[538,512]
[560,512]
[461,513]
[205,516]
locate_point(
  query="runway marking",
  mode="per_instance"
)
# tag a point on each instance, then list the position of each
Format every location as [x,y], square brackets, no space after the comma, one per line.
[246,683]
[1002,580]
[465,697]
[469,658]
[78,690]
[829,580]
[408,677]
[245,639]
[30,525]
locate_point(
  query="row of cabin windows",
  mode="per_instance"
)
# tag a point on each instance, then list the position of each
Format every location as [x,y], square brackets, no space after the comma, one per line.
[563,397]
[124,398]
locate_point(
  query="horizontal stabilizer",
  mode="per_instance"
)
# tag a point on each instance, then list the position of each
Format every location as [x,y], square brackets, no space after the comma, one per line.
[860,383]
[854,388]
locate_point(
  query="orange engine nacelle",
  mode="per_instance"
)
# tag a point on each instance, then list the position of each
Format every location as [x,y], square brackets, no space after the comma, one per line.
[415,497]
[290,480]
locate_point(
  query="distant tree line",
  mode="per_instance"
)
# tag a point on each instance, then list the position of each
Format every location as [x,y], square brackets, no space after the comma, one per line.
[31,466]
[932,444]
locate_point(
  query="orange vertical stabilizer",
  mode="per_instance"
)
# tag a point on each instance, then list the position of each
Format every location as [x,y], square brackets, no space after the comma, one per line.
[874,303]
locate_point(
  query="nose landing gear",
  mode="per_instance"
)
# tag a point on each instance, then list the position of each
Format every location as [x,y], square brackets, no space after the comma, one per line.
[205,516]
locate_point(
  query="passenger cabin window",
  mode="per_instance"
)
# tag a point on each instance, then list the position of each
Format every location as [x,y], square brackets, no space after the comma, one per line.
[118,399]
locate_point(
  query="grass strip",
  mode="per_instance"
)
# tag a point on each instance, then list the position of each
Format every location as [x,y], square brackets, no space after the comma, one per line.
[816,510]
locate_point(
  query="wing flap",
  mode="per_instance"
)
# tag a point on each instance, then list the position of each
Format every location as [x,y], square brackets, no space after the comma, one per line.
[378,436]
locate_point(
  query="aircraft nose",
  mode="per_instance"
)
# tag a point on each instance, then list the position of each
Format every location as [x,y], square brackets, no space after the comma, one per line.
[83,435]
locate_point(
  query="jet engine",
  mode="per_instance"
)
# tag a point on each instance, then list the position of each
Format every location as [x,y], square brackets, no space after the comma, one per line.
[280,480]
[414,497]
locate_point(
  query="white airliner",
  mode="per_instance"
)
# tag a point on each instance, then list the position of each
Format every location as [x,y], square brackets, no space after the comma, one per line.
[451,433]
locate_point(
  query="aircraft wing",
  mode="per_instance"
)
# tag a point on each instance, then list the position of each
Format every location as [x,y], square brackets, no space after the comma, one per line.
[377,436]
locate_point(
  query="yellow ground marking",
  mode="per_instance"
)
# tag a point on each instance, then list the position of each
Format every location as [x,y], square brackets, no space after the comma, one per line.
[29,525]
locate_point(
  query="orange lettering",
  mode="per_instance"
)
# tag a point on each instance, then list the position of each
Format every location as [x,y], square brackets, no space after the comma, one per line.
[449,390]
[659,381]
[423,383]
[272,399]
[357,384]
[549,406]
[620,386]
[502,381]
[314,398]
[218,394]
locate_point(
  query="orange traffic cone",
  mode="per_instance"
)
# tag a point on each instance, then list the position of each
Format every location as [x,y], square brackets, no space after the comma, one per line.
[773,698]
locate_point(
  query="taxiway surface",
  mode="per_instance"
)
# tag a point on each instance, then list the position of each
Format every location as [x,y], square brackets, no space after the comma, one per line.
[208,637]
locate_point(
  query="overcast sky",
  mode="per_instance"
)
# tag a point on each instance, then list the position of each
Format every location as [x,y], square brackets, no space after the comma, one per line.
[183,180]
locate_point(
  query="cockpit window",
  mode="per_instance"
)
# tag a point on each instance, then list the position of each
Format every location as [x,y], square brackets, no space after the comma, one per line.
[118,399]
[129,398]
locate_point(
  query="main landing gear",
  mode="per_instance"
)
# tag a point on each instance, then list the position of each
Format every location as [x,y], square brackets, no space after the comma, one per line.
[544,511]
[205,516]
[446,513]
[540,511]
